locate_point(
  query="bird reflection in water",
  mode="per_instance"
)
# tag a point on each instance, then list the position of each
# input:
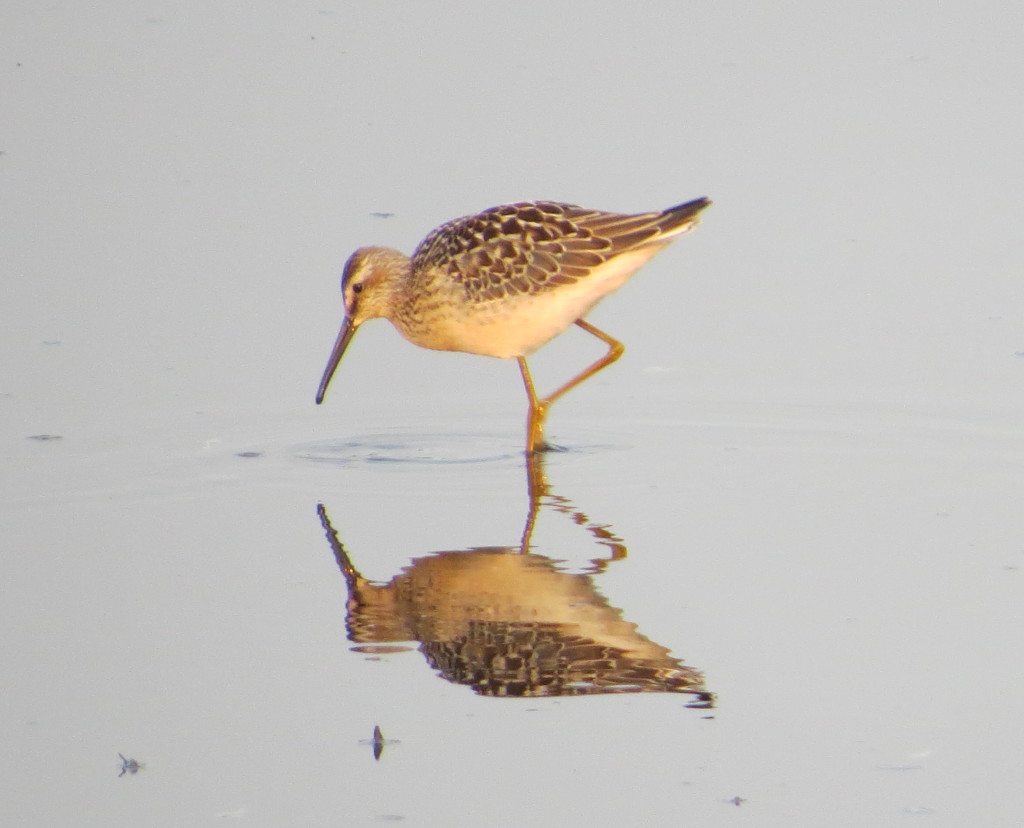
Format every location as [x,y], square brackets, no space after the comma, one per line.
[508,622]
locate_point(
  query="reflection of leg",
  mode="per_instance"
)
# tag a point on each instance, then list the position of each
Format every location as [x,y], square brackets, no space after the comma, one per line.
[536,489]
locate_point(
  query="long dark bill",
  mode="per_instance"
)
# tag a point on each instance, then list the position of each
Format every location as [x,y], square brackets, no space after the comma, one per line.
[348,330]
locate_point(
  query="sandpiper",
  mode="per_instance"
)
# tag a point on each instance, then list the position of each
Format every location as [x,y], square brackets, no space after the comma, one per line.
[505,281]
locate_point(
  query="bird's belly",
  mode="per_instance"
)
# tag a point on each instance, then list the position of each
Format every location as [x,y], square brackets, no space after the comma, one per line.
[516,325]
[507,327]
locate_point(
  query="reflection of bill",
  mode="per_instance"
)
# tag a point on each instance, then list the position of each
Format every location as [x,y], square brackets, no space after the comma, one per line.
[509,623]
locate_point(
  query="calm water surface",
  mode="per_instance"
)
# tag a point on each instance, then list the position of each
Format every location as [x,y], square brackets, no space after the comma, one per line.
[773,578]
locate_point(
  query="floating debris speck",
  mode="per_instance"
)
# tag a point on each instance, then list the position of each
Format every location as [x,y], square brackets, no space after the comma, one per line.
[131,766]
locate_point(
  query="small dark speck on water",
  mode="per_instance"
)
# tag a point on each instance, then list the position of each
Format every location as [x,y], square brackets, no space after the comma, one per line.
[736,800]
[45,437]
[131,766]
[249,454]
[52,342]
[377,742]
[382,215]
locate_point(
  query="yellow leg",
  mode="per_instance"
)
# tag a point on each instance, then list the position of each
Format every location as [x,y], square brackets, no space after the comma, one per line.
[539,408]
[535,415]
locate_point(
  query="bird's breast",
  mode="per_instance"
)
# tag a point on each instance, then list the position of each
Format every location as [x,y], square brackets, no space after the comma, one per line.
[446,318]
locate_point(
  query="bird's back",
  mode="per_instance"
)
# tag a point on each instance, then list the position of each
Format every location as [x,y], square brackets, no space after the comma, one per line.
[532,247]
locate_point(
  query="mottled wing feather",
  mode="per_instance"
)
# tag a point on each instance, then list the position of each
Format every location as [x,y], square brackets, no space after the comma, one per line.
[531,247]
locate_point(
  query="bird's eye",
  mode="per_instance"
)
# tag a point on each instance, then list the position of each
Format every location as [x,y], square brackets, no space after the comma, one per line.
[357,287]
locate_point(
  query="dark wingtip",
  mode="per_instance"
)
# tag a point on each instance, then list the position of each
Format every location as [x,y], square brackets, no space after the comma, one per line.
[689,208]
